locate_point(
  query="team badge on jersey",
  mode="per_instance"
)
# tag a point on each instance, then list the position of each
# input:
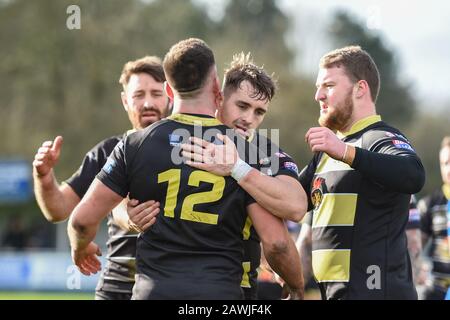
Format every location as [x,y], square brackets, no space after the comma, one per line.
[317,192]
[402,145]
[175,140]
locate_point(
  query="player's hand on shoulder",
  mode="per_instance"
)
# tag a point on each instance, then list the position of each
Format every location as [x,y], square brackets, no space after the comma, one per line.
[218,159]
[47,156]
[142,215]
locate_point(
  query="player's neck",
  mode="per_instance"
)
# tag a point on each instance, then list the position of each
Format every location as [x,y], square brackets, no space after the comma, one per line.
[360,112]
[196,106]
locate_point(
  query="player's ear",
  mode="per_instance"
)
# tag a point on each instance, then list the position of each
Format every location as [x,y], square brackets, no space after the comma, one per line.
[123,97]
[168,90]
[362,88]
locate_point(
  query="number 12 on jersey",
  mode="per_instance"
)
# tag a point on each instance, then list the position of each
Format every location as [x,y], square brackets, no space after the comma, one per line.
[173,178]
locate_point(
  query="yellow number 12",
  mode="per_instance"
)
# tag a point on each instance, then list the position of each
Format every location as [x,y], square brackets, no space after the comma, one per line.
[173,177]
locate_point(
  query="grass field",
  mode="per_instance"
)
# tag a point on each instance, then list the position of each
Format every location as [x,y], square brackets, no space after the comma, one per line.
[18,295]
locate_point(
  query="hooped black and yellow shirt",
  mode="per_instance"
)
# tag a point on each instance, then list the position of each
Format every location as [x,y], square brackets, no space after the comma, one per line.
[359,215]
[195,249]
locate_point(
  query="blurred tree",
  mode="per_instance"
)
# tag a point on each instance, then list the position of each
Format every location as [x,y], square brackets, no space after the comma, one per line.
[396,102]
[57,81]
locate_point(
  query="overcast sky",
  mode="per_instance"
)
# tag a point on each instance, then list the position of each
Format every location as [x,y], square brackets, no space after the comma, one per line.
[417,30]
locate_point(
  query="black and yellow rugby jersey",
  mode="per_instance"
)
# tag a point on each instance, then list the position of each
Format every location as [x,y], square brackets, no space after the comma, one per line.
[195,248]
[413,216]
[118,274]
[435,210]
[274,162]
[359,246]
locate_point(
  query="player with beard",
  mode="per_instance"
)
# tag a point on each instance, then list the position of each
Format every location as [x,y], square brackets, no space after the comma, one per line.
[145,102]
[359,182]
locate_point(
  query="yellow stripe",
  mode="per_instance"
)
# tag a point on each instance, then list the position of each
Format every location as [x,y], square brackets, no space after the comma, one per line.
[360,125]
[245,283]
[331,265]
[246,230]
[336,209]
[446,190]
[194,120]
[328,164]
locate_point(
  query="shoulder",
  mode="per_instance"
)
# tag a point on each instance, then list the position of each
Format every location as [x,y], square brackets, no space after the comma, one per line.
[104,147]
[136,138]
[108,143]
[380,133]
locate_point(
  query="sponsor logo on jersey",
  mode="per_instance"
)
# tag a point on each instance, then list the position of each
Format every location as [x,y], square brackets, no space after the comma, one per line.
[402,145]
[175,140]
[414,215]
[396,135]
[109,165]
[291,166]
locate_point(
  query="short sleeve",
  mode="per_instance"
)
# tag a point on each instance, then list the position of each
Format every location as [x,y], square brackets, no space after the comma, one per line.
[114,172]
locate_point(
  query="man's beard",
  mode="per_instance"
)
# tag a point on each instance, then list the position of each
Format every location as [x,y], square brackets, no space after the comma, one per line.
[340,116]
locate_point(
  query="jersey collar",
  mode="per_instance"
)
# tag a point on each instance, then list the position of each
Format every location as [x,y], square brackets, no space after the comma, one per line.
[130,132]
[194,119]
[360,125]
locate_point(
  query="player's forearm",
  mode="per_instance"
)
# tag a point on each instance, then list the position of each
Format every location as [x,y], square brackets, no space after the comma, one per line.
[284,259]
[81,231]
[281,199]
[50,198]
[398,173]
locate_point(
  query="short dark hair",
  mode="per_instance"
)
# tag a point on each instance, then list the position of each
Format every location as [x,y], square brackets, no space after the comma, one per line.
[187,65]
[358,65]
[242,69]
[149,64]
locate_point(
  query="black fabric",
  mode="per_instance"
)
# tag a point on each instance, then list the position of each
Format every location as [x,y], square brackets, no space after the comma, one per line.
[180,247]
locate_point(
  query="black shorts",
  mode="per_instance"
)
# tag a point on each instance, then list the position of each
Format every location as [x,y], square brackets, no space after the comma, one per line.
[110,295]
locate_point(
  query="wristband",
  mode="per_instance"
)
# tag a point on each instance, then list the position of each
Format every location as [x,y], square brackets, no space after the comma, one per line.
[240,170]
[345,153]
